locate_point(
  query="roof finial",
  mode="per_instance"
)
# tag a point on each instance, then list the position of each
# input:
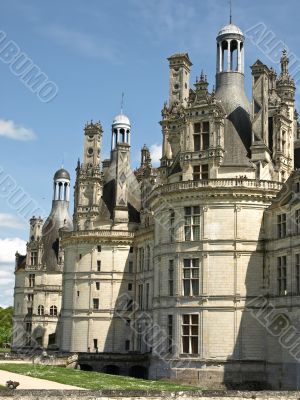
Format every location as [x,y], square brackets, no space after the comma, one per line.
[230,11]
[122,102]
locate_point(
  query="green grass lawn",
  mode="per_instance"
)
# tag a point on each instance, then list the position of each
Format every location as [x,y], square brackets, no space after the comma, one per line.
[4,350]
[91,380]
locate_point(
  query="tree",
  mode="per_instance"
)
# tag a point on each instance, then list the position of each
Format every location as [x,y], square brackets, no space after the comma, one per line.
[6,315]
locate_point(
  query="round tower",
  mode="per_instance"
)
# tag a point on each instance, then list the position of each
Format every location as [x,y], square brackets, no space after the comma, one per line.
[120,131]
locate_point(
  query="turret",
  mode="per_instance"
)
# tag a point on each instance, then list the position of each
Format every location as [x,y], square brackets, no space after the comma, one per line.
[230,92]
[179,65]
[92,145]
[59,218]
[120,131]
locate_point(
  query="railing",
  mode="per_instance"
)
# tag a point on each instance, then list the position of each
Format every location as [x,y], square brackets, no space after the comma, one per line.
[45,288]
[98,233]
[220,183]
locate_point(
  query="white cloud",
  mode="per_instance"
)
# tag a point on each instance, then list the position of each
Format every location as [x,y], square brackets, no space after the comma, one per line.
[11,221]
[156,152]
[11,130]
[7,280]
[8,248]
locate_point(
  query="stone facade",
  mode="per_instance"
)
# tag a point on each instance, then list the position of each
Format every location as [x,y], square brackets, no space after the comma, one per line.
[179,263]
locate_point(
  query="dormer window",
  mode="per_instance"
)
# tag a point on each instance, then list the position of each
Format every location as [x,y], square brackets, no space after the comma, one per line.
[201,136]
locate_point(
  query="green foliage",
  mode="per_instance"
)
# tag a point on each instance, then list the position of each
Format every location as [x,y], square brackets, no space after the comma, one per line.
[5,325]
[91,380]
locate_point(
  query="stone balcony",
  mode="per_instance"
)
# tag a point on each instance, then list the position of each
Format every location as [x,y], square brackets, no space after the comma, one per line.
[273,187]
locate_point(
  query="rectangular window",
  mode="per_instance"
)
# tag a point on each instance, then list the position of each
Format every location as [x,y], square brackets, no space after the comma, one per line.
[96,304]
[201,136]
[141,255]
[30,297]
[131,250]
[191,277]
[281,275]
[147,295]
[33,258]
[281,225]
[140,294]
[129,287]
[97,285]
[170,334]
[298,185]
[196,172]
[130,267]
[29,311]
[298,273]
[171,277]
[99,249]
[172,226]
[204,171]
[190,333]
[28,327]
[31,280]
[98,265]
[192,223]
[95,344]
[200,172]
[127,345]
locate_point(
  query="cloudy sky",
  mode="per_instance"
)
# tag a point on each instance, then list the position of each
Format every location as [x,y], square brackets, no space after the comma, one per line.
[92,51]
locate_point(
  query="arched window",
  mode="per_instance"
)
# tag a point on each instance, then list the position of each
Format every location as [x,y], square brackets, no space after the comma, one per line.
[122,133]
[41,310]
[53,311]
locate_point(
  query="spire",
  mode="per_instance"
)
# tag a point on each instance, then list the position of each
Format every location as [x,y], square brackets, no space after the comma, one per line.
[122,103]
[230,12]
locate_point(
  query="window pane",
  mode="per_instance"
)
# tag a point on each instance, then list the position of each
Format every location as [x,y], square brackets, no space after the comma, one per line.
[185,330]
[195,287]
[196,232]
[195,319]
[187,210]
[197,127]
[196,142]
[194,330]
[187,232]
[196,210]
[186,288]
[186,273]
[185,344]
[194,343]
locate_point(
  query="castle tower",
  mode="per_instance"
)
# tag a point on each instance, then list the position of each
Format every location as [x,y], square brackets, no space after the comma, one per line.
[38,288]
[88,186]
[120,155]
[179,67]
[231,92]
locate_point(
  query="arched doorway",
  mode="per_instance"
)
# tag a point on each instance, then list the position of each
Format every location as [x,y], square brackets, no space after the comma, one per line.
[85,367]
[112,369]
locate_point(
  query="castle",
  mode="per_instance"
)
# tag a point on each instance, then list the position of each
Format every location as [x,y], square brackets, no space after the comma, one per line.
[190,271]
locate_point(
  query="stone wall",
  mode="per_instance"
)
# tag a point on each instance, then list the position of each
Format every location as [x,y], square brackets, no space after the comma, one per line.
[144,395]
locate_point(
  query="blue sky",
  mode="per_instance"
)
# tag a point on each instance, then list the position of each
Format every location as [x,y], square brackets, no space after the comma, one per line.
[93,51]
